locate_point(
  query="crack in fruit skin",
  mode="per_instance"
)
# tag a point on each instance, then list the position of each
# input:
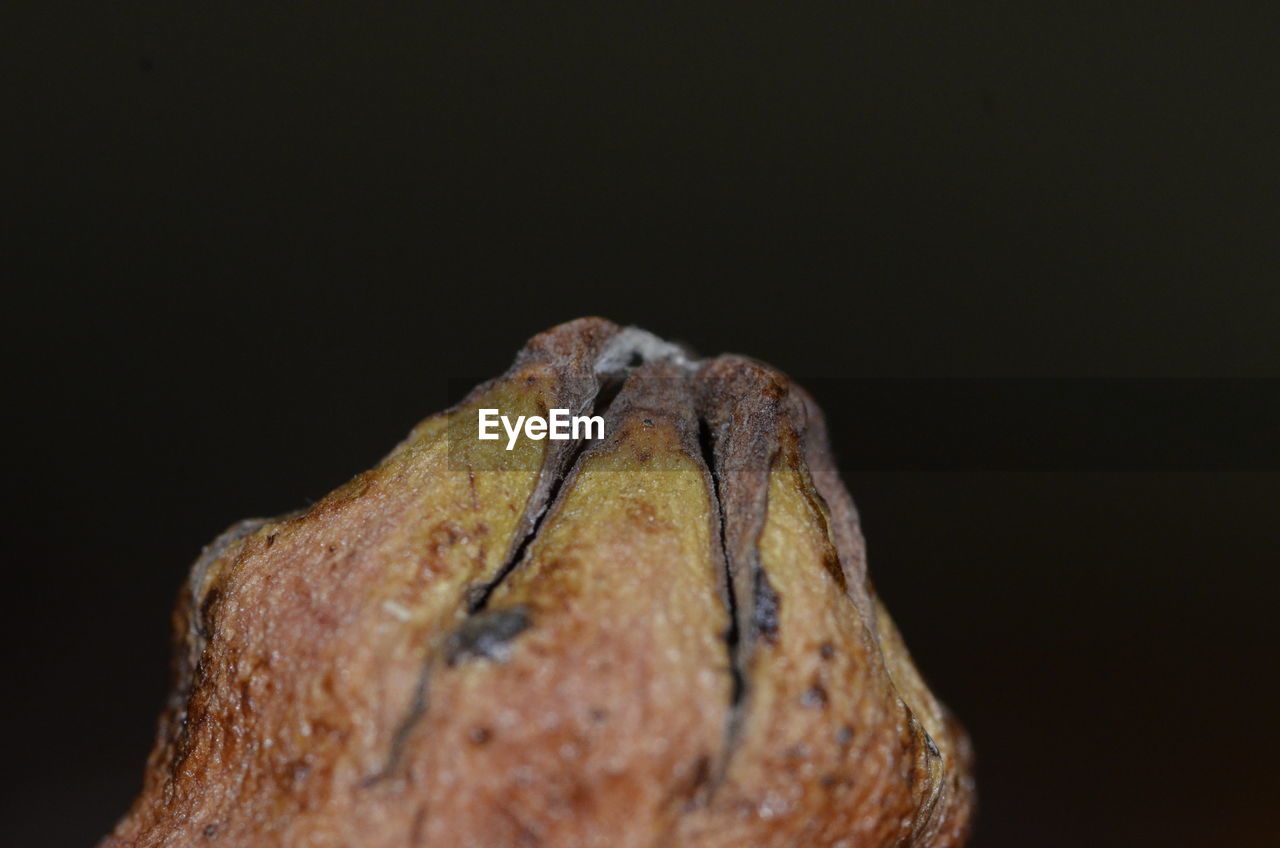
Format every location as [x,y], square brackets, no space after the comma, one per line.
[664,637]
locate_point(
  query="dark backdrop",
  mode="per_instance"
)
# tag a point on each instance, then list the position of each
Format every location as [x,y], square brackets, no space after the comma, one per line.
[246,249]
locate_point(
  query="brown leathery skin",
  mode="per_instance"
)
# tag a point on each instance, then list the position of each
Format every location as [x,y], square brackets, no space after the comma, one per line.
[316,627]
[953,769]
[599,728]
[663,638]
[827,751]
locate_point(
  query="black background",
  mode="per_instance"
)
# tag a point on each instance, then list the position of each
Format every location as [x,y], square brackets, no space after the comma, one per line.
[246,249]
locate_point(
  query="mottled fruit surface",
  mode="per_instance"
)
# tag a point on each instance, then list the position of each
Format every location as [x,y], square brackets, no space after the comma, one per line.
[662,637]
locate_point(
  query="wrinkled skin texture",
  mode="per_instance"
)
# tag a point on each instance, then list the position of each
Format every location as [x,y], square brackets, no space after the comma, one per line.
[665,637]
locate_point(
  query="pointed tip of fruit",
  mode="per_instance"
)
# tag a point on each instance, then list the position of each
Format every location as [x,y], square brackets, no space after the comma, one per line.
[692,644]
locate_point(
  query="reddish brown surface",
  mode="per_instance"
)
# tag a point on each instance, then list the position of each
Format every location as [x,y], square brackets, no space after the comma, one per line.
[666,639]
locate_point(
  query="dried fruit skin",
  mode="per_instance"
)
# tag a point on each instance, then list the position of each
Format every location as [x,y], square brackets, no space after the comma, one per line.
[663,638]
